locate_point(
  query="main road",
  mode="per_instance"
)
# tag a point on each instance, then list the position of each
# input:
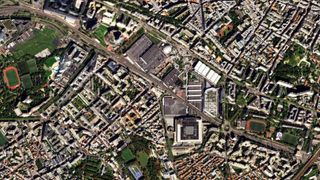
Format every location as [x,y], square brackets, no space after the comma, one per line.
[133,68]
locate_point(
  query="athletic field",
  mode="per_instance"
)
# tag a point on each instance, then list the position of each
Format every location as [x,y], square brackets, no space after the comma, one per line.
[256,126]
[11,77]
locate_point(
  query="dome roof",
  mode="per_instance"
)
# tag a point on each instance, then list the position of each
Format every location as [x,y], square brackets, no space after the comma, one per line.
[167,49]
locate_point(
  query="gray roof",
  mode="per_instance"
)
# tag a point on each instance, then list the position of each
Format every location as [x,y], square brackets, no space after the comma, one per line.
[189,127]
[139,47]
[146,54]
[152,58]
[173,107]
[171,78]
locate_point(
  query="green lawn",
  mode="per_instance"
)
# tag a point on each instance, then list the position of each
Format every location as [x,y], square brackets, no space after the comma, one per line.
[48,73]
[50,61]
[143,158]
[48,64]
[12,77]
[290,139]
[78,103]
[3,140]
[100,33]
[32,64]
[26,81]
[127,155]
[40,40]
[294,55]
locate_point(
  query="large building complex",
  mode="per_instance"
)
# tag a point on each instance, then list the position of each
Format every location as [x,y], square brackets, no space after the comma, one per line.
[160,89]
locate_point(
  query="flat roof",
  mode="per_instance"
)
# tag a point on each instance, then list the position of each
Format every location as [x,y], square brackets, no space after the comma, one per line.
[188,129]
[139,47]
[146,54]
[173,107]
[171,78]
[151,58]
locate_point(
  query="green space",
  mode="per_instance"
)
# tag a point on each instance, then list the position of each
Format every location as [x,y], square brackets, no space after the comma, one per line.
[50,61]
[237,170]
[175,11]
[100,33]
[132,40]
[143,158]
[48,73]
[241,100]
[156,39]
[297,65]
[32,64]
[40,40]
[232,112]
[313,171]
[127,155]
[235,18]
[131,93]
[39,163]
[91,168]
[23,67]
[34,118]
[294,55]
[137,154]
[26,81]
[31,72]
[290,139]
[79,103]
[257,126]
[13,78]
[153,168]
[3,139]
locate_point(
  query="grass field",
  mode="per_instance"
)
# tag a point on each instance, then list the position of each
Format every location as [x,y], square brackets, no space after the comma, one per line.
[256,126]
[26,81]
[50,61]
[32,64]
[127,155]
[143,158]
[3,140]
[11,77]
[100,33]
[290,139]
[40,40]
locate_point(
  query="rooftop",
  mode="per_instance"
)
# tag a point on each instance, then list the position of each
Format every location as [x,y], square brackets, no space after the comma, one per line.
[146,54]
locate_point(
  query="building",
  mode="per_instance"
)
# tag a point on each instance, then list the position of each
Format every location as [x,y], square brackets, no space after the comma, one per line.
[173,107]
[194,93]
[211,101]
[188,130]
[136,172]
[66,9]
[207,73]
[146,54]
[172,78]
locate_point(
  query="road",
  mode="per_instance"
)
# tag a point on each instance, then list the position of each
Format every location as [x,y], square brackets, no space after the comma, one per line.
[309,163]
[136,70]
